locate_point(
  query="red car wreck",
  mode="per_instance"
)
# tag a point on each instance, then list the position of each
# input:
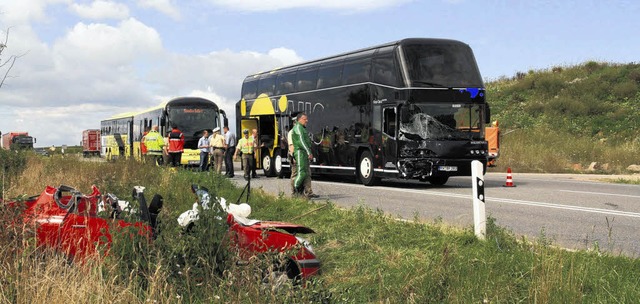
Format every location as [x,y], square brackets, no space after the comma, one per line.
[80,225]
[66,220]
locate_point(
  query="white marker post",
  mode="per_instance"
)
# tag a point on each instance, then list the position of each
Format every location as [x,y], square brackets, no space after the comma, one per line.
[479,217]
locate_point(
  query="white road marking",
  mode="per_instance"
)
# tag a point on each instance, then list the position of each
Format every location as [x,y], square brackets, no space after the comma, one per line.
[507,201]
[602,193]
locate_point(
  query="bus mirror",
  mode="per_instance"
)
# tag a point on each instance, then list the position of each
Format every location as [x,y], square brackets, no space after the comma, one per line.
[163,121]
[226,121]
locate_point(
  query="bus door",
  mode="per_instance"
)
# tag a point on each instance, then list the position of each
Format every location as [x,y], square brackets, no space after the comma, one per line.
[250,124]
[389,131]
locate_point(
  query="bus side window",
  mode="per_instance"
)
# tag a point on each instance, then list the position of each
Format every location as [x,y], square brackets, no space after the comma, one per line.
[356,71]
[284,83]
[267,84]
[307,79]
[330,74]
[249,88]
[385,70]
[389,122]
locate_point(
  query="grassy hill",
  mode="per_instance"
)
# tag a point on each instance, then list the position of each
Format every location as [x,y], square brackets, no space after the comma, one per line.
[564,118]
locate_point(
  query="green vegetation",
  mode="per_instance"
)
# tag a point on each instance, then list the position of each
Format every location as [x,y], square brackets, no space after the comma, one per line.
[367,256]
[563,119]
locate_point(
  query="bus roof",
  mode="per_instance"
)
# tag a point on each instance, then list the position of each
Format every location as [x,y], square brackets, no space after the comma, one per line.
[122,115]
[188,101]
[398,42]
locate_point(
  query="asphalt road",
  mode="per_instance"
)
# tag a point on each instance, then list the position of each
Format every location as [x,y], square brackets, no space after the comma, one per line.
[567,210]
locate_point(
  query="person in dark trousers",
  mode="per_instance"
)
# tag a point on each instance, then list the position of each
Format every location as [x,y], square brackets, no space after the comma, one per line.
[254,135]
[245,146]
[230,150]
[176,146]
[203,146]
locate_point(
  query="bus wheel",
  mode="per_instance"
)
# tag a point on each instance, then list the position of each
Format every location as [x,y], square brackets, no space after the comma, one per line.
[267,165]
[277,164]
[365,169]
[438,180]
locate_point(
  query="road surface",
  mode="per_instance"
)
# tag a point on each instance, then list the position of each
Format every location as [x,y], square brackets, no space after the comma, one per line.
[568,210]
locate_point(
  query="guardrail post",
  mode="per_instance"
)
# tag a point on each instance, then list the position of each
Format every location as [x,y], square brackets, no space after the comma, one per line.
[479,217]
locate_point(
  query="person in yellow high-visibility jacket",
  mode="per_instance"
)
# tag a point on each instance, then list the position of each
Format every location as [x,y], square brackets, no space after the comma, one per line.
[245,145]
[154,143]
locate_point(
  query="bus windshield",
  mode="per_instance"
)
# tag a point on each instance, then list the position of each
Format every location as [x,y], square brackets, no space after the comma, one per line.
[193,120]
[441,122]
[442,65]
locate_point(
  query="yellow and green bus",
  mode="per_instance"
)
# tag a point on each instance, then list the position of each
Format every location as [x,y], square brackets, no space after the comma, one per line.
[191,115]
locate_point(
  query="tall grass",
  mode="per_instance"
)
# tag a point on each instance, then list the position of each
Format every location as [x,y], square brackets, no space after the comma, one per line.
[553,120]
[552,151]
[367,255]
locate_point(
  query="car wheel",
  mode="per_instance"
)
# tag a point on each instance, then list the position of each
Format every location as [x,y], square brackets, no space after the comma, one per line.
[365,169]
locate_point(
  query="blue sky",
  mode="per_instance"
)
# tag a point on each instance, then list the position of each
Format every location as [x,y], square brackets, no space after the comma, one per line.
[83,61]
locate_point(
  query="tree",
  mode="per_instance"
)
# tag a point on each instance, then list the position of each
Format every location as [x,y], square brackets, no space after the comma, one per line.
[6,65]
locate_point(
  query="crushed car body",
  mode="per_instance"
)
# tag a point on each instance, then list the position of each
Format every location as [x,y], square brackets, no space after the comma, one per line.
[250,237]
[66,220]
[81,225]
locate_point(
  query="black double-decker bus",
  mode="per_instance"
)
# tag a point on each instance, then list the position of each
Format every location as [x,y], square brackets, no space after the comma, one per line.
[412,109]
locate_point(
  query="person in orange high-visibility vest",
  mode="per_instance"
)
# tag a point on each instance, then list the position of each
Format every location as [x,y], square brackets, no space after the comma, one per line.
[176,146]
[143,146]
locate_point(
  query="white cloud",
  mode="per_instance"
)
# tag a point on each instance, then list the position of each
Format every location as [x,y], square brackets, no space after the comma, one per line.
[223,70]
[274,5]
[101,9]
[17,12]
[286,56]
[164,6]
[107,46]
[97,70]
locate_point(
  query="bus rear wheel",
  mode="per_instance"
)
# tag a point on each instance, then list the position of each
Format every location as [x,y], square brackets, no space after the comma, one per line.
[277,164]
[365,169]
[269,164]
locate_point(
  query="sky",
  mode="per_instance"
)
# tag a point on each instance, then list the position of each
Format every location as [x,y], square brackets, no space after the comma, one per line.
[79,62]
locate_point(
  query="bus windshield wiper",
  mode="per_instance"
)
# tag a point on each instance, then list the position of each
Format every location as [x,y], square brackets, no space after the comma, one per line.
[433,84]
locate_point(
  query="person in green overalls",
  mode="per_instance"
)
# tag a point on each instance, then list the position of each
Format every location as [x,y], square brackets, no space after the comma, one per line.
[303,156]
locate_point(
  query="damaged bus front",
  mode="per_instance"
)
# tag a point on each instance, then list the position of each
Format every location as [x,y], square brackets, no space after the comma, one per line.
[438,140]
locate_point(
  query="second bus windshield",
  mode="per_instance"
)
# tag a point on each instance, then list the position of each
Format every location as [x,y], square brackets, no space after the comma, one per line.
[191,121]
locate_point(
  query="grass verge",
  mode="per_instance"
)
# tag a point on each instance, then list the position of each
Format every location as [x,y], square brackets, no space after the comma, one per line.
[367,256]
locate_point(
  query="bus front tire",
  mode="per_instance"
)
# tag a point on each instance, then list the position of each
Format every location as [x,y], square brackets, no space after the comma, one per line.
[365,169]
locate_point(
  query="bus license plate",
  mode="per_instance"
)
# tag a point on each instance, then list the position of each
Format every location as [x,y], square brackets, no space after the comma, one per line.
[194,162]
[448,168]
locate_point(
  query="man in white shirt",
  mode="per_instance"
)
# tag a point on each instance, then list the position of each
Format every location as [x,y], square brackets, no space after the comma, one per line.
[203,146]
